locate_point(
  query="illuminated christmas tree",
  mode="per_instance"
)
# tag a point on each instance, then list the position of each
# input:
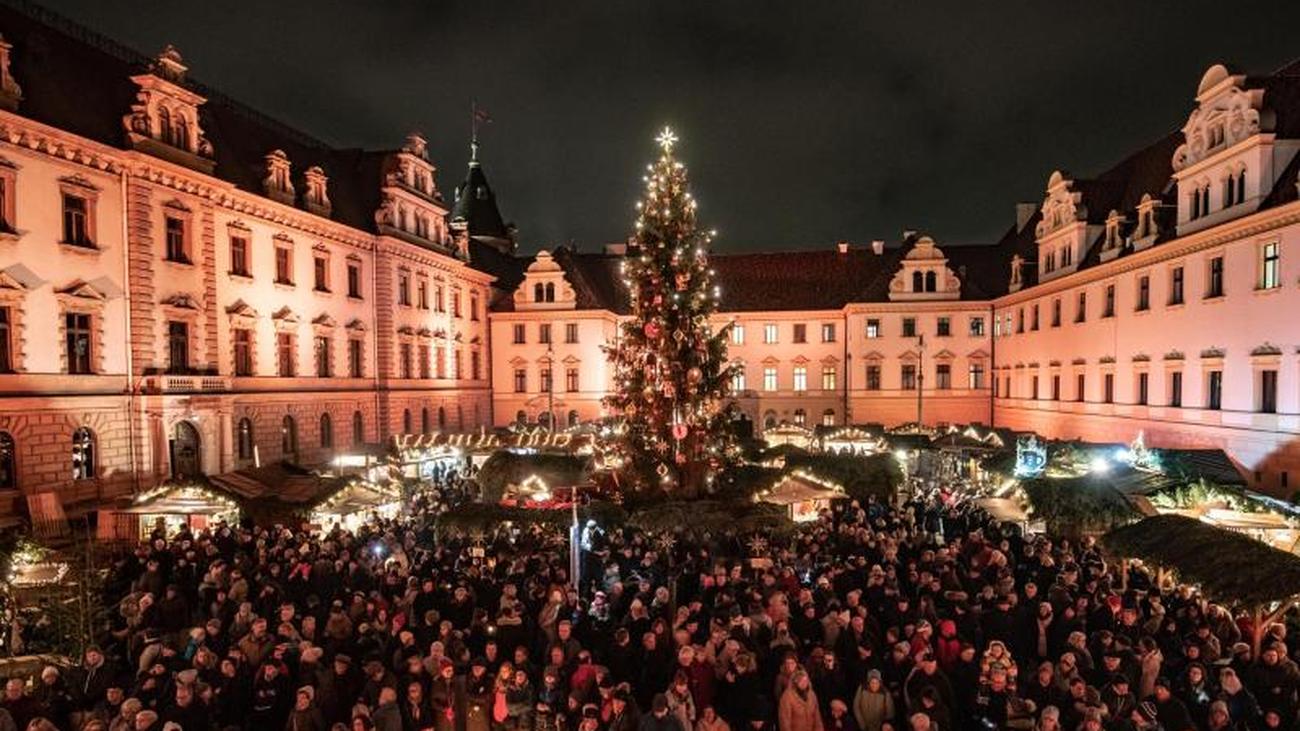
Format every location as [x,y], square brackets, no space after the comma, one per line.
[670,366]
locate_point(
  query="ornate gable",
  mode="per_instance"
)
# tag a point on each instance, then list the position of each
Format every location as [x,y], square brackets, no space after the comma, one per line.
[924,275]
[317,199]
[10,93]
[1062,205]
[545,286]
[1063,232]
[164,120]
[277,183]
[1225,114]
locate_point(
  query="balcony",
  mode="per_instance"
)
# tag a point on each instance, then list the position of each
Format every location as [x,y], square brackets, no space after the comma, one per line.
[187,383]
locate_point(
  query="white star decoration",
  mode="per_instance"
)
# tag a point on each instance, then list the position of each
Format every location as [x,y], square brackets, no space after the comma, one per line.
[666,139]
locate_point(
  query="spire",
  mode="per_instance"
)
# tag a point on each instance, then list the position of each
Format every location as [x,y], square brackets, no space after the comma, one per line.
[475,208]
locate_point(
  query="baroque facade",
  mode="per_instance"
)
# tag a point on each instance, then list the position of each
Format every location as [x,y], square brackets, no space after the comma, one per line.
[188,287]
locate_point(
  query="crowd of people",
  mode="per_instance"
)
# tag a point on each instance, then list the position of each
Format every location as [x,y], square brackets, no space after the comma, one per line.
[924,616]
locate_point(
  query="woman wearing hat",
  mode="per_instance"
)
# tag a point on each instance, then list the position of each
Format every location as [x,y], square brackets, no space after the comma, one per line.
[798,709]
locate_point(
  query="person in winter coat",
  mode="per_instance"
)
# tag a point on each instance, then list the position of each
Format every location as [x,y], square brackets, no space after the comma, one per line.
[519,702]
[387,716]
[711,721]
[659,718]
[873,705]
[417,713]
[798,709]
[624,715]
[270,705]
[680,702]
[840,719]
[305,716]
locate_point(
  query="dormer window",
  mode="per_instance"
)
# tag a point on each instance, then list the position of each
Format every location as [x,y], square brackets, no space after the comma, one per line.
[1113,240]
[1216,136]
[317,198]
[277,183]
[1067,256]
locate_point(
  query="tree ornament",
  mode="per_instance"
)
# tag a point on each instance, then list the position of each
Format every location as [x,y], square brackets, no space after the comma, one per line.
[683,281]
[680,430]
[652,330]
[694,375]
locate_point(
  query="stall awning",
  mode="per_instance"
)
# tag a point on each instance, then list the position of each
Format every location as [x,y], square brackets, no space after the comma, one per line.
[793,489]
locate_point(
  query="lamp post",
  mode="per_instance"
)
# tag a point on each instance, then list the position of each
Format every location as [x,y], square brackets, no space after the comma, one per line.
[550,384]
[920,376]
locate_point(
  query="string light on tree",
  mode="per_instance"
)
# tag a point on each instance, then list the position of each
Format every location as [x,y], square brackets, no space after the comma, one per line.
[670,367]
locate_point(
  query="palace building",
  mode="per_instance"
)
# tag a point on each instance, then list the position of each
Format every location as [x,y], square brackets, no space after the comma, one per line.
[188,287]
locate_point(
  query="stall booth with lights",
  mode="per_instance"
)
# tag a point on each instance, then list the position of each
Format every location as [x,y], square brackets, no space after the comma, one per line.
[169,508]
[851,440]
[791,434]
[356,503]
[803,495]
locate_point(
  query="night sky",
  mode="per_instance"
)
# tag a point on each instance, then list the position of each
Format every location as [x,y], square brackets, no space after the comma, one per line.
[803,123]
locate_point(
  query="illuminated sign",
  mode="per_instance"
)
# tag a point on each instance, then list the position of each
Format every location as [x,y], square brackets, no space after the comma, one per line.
[531,439]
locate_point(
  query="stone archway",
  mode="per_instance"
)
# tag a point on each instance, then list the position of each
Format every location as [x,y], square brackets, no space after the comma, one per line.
[186,451]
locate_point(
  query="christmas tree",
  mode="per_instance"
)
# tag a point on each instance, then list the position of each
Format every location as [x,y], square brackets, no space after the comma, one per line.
[670,367]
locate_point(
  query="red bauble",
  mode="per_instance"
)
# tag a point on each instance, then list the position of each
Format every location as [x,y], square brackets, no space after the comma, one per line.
[652,330]
[680,431]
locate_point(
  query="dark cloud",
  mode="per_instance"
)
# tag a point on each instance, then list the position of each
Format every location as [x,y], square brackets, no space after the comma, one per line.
[803,122]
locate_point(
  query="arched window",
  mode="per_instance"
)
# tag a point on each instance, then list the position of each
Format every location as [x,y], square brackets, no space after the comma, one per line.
[289,439]
[800,417]
[186,453]
[245,438]
[83,454]
[828,417]
[424,420]
[406,421]
[573,417]
[182,138]
[769,420]
[550,292]
[165,125]
[918,282]
[521,417]
[442,417]
[8,464]
[544,419]
[326,430]
[539,293]
[931,281]
[358,428]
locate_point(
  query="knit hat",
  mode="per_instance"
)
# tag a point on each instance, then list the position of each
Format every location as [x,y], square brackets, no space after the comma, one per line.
[308,691]
[1147,710]
[873,674]
[660,703]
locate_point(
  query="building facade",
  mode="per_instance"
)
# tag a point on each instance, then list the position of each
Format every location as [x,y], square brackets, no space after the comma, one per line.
[189,288]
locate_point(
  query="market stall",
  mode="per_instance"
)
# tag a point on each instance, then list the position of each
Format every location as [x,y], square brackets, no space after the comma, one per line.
[851,440]
[802,494]
[791,434]
[355,503]
[168,508]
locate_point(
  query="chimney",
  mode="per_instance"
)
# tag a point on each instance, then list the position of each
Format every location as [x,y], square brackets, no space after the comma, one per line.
[842,247]
[1024,212]
[878,247]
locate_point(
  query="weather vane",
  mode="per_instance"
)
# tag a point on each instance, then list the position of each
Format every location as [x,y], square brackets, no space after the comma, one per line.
[667,139]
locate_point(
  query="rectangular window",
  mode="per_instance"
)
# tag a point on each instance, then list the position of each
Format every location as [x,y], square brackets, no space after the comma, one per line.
[1080,387]
[1081,311]
[518,334]
[737,334]
[77,327]
[1020,320]
[284,354]
[1108,388]
[174,237]
[473,306]
[324,358]
[1108,306]
[738,378]
[769,378]
[943,376]
[769,333]
[243,340]
[873,327]
[1144,293]
[1268,391]
[354,280]
[1056,387]
[283,265]
[239,256]
[355,367]
[544,333]
[909,327]
[1033,388]
[455,303]
[439,304]
[545,379]
[943,327]
[424,361]
[475,365]
[977,327]
[976,375]
[909,376]
[1056,312]
[320,274]
[873,377]
[6,342]
[1143,385]
[76,220]
[405,359]
[800,378]
[404,289]
[1176,286]
[829,373]
[1270,273]
[571,332]
[521,380]
[178,347]
[440,362]
[571,379]
[800,333]
[828,332]
[1176,389]
[1033,318]
[1214,278]
[422,293]
[1214,390]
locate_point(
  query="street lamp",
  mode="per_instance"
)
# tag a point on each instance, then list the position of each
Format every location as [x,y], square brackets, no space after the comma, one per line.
[920,376]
